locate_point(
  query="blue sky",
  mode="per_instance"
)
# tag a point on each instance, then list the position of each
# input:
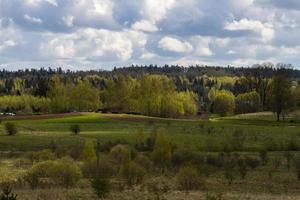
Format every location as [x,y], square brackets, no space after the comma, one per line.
[93,34]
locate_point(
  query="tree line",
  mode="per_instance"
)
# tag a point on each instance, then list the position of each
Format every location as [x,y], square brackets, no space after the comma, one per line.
[168,91]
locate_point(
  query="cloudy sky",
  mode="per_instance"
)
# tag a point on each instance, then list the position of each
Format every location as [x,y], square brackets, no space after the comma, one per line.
[93,34]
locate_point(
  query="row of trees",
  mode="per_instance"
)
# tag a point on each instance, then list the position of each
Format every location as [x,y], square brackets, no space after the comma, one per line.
[153,95]
[263,88]
[279,95]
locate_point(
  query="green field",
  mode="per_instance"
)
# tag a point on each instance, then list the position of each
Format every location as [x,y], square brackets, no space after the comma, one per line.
[242,134]
[257,131]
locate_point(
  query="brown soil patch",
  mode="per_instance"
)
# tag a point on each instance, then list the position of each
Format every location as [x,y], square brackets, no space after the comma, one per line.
[37,117]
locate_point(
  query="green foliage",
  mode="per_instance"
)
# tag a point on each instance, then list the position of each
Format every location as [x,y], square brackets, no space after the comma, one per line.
[105,168]
[75,129]
[152,95]
[25,104]
[64,172]
[7,193]
[263,156]
[297,166]
[158,186]
[248,102]
[162,152]
[10,128]
[133,173]
[224,103]
[121,154]
[281,93]
[83,96]
[101,186]
[58,95]
[88,152]
[42,156]
[188,178]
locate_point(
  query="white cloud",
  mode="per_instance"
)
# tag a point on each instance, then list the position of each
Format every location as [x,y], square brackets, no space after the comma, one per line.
[37,2]
[7,44]
[266,30]
[202,46]
[34,20]
[174,45]
[101,7]
[68,20]
[148,56]
[156,10]
[145,25]
[231,52]
[93,44]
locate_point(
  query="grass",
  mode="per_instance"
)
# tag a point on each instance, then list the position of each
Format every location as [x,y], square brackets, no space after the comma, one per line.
[37,134]
[258,131]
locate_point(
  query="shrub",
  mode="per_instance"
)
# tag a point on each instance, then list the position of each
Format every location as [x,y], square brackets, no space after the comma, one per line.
[162,152]
[144,161]
[42,156]
[264,156]
[133,173]
[252,161]
[121,154]
[65,172]
[88,152]
[242,167]
[7,193]
[158,186]
[75,129]
[186,155]
[188,178]
[297,167]
[101,187]
[37,171]
[11,128]
[106,168]
[288,156]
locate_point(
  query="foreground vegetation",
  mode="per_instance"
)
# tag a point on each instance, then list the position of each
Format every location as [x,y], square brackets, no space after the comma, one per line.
[119,156]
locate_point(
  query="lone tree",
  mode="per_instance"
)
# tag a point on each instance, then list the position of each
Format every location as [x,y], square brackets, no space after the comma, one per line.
[281,91]
[11,128]
[75,129]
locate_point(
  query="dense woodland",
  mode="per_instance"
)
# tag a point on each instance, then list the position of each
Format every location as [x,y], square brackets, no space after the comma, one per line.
[167,91]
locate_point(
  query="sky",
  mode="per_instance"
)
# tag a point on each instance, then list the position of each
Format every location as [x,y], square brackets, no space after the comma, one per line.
[101,34]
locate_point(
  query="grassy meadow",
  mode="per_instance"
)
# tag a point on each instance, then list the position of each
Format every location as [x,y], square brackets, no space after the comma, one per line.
[241,134]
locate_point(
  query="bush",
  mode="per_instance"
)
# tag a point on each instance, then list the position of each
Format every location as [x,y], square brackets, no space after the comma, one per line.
[264,156]
[121,154]
[252,161]
[297,167]
[42,156]
[10,128]
[144,161]
[188,178]
[101,187]
[106,168]
[88,152]
[185,155]
[63,172]
[242,167]
[133,173]
[7,193]
[288,156]
[158,186]
[75,129]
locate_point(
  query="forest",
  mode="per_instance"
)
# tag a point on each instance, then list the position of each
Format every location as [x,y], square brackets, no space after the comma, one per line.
[168,91]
